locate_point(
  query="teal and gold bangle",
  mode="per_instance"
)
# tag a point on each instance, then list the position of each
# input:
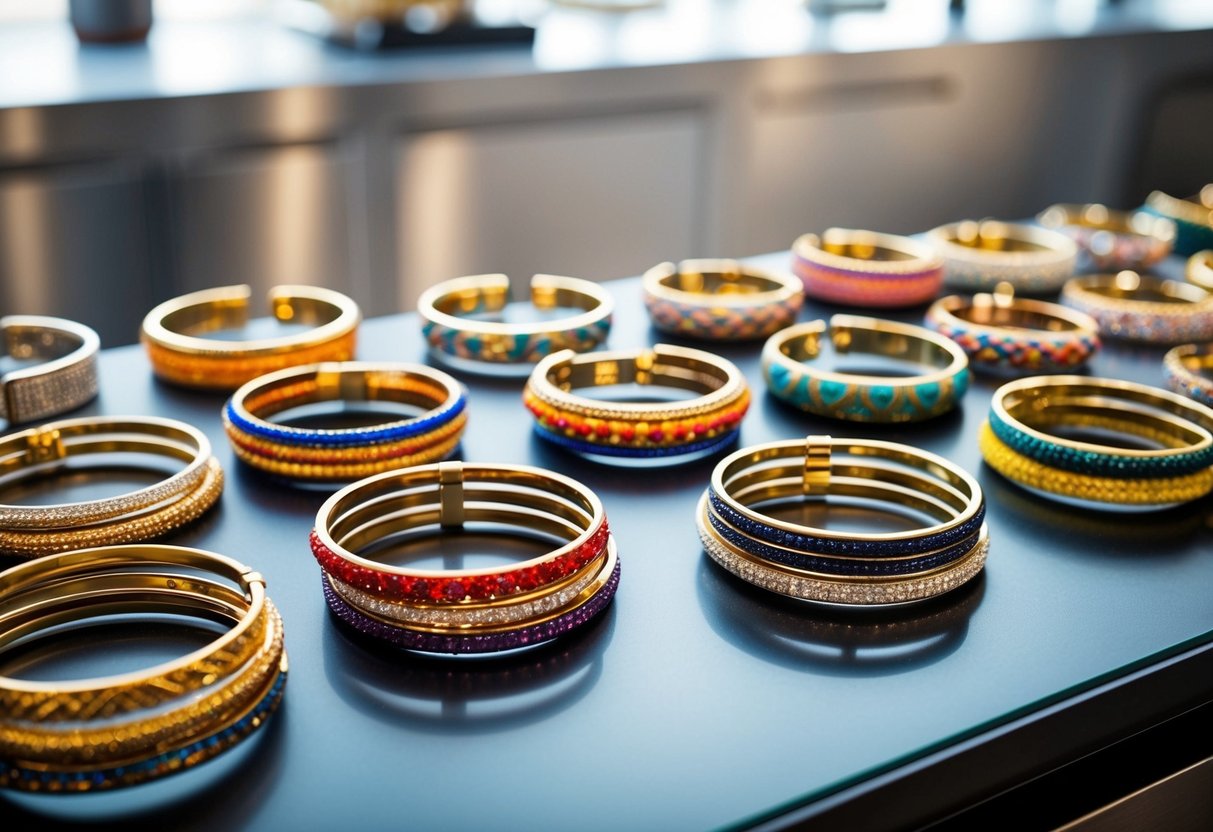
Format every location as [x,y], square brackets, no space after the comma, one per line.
[1193,218]
[940,384]
[720,300]
[1028,438]
[1199,270]
[1189,371]
[457,330]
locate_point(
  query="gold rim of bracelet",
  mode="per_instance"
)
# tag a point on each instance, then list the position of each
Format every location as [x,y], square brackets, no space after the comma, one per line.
[993,242]
[372,494]
[1199,270]
[1001,312]
[718,380]
[796,346]
[720,283]
[15,341]
[819,455]
[1128,291]
[1096,217]
[171,325]
[64,439]
[27,576]
[855,249]
[1038,394]
[440,303]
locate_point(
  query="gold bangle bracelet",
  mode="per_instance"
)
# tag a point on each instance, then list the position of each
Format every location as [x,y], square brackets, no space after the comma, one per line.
[623,429]
[1143,308]
[59,737]
[787,365]
[980,255]
[1004,334]
[1189,371]
[476,344]
[720,300]
[1113,240]
[172,331]
[1199,270]
[65,375]
[1193,218]
[866,268]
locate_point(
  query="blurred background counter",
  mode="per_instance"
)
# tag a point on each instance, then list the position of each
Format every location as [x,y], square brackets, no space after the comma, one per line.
[237,148]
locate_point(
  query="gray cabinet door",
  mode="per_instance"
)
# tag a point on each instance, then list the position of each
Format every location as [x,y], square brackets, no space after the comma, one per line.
[261,216]
[74,243]
[597,198]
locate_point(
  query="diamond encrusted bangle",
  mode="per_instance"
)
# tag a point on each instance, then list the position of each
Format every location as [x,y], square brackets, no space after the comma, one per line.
[63,372]
[1187,369]
[1143,308]
[979,255]
[1112,240]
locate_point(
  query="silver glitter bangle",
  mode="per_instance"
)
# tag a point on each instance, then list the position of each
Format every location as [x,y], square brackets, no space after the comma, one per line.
[63,375]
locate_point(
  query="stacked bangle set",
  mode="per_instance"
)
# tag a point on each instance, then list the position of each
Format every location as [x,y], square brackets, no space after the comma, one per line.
[104,733]
[89,560]
[466,610]
[819,564]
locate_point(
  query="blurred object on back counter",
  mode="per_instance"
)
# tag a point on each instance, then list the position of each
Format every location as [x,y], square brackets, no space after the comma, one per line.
[379,24]
[111,21]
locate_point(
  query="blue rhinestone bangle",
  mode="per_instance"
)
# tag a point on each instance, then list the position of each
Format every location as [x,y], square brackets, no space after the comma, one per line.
[812,544]
[1098,463]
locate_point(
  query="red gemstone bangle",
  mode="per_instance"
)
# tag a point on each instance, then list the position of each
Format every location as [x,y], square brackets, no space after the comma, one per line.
[436,495]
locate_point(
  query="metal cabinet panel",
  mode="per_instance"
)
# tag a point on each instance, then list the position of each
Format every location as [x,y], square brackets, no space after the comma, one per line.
[261,216]
[74,243]
[594,197]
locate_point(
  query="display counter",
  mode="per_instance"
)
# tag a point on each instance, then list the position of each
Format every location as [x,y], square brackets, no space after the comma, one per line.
[695,701]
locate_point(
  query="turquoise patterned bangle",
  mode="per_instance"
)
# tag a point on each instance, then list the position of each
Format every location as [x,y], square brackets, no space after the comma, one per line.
[1096,402]
[865,398]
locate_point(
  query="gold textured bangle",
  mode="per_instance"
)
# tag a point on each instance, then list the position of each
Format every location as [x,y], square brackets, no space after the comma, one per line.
[866,268]
[787,365]
[980,255]
[720,300]
[1143,308]
[1157,492]
[65,736]
[655,430]
[475,344]
[1199,270]
[65,375]
[171,334]
[1113,240]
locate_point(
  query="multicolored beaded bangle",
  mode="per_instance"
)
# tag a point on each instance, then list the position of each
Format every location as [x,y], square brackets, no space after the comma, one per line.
[346,453]
[980,255]
[472,606]
[1026,413]
[1004,334]
[1087,490]
[1143,308]
[1188,369]
[65,375]
[851,593]
[33,531]
[178,353]
[1193,218]
[1199,270]
[665,430]
[868,269]
[720,300]
[866,398]
[183,712]
[477,344]
[1112,240]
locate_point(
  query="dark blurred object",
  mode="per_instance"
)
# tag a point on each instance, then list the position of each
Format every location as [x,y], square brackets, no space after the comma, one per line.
[827,7]
[1174,152]
[111,21]
[382,24]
